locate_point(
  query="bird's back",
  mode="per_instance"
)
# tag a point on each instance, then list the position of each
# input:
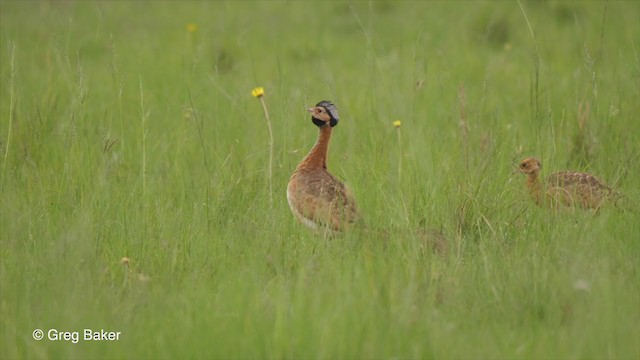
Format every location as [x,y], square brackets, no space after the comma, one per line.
[320,201]
[575,188]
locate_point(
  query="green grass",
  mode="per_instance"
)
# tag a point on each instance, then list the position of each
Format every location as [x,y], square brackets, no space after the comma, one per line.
[125,135]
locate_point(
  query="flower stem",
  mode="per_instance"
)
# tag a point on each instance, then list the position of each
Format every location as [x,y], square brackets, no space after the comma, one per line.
[270,172]
[399,153]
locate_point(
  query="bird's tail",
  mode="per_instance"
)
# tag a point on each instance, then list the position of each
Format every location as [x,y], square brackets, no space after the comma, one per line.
[623,202]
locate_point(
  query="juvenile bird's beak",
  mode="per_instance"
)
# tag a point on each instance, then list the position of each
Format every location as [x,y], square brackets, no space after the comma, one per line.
[310,110]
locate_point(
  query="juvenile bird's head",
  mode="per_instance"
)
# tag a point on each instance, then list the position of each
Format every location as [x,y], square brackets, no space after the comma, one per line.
[325,112]
[530,166]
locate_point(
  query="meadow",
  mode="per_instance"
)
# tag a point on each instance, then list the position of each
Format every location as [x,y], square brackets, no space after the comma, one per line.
[135,194]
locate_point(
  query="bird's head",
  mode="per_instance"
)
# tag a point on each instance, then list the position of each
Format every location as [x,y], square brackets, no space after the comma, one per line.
[324,113]
[530,166]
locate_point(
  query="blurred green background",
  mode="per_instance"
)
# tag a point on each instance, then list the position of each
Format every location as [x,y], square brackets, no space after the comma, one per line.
[135,194]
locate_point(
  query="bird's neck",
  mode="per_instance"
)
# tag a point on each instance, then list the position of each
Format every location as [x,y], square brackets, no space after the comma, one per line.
[317,157]
[535,188]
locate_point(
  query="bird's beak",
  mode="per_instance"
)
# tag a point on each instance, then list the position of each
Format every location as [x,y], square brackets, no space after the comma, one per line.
[311,110]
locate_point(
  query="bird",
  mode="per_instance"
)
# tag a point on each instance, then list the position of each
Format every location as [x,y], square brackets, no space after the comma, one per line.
[318,199]
[565,188]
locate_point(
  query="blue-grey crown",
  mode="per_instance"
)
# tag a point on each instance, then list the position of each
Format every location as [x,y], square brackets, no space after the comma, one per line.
[331,109]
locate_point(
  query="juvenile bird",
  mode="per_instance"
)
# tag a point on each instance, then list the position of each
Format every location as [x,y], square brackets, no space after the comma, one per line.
[317,199]
[565,188]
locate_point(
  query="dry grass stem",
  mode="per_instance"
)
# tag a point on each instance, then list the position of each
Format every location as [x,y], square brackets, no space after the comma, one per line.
[464,128]
[13,72]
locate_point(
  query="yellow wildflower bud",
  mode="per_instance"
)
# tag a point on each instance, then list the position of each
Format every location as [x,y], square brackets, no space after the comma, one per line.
[397,123]
[192,27]
[257,92]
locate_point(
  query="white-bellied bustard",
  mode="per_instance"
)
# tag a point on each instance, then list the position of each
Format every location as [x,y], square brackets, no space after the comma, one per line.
[317,199]
[565,188]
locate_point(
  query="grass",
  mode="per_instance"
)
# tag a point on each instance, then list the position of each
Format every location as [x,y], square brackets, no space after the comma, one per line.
[127,133]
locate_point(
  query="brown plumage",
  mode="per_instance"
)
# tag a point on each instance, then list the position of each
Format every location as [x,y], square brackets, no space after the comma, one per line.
[317,199]
[565,188]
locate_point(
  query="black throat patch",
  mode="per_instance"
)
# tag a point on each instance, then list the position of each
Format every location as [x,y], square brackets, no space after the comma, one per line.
[318,122]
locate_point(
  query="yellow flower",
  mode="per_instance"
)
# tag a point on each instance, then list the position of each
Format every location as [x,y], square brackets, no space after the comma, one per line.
[257,92]
[397,123]
[192,27]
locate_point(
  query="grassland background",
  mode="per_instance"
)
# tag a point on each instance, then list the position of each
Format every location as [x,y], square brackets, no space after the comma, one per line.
[124,134]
